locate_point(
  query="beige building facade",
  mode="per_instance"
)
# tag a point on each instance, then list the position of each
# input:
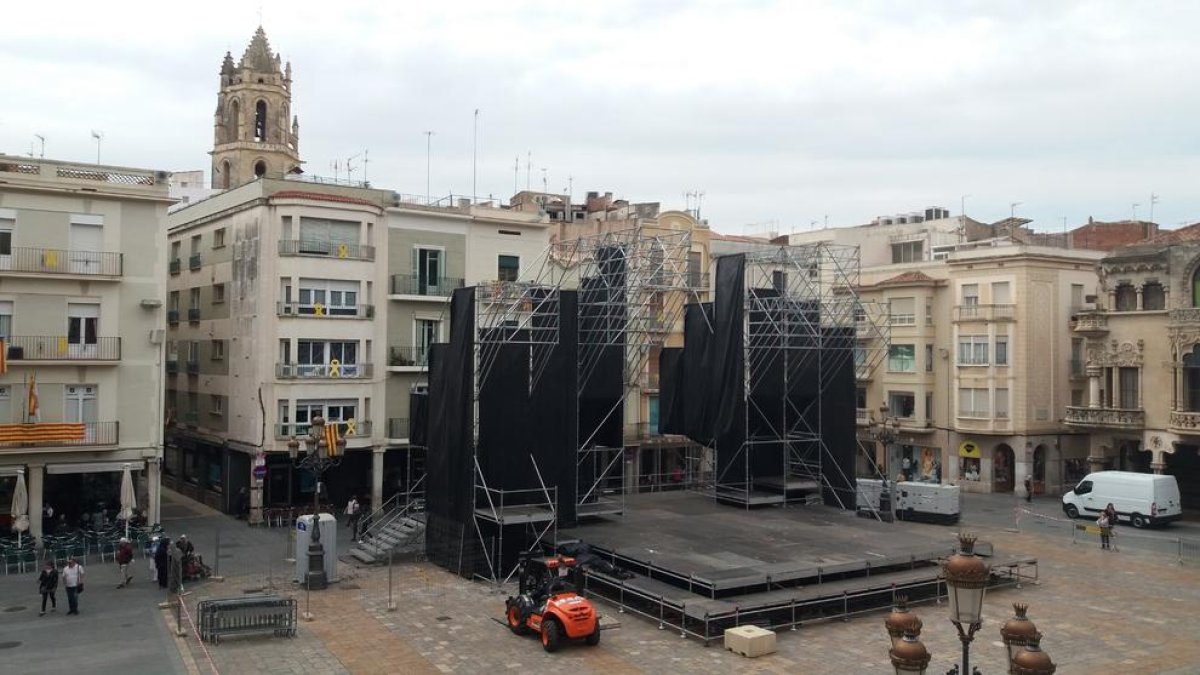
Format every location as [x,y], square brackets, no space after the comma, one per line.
[82,289]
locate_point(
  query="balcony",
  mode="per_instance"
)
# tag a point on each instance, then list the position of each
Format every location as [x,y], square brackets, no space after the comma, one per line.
[1108,418]
[39,261]
[193,367]
[57,434]
[326,249]
[193,314]
[647,434]
[1185,316]
[319,311]
[175,266]
[862,417]
[412,284]
[1091,324]
[323,371]
[902,320]
[408,358]
[1001,312]
[172,367]
[194,262]
[1185,422]
[50,348]
[397,428]
[173,317]
[650,379]
[361,430]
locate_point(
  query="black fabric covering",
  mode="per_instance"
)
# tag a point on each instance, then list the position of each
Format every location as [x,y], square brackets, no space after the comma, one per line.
[838,416]
[670,391]
[725,358]
[554,419]
[418,411]
[449,482]
[696,371]
[601,322]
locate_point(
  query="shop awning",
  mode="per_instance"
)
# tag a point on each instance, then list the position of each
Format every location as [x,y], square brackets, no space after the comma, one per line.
[93,467]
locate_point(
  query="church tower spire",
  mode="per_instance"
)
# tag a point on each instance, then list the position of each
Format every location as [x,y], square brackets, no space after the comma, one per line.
[254,132]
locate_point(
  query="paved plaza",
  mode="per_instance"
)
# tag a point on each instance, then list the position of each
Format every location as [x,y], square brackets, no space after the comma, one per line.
[1101,612]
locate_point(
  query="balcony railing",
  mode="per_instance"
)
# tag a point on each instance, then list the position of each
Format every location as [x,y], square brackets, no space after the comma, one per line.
[1113,418]
[326,249]
[60,348]
[305,371]
[412,284]
[1094,323]
[193,367]
[53,434]
[408,357]
[1185,315]
[172,367]
[175,266]
[902,320]
[862,417]
[1184,421]
[1000,312]
[319,311]
[397,427]
[194,314]
[172,316]
[361,429]
[61,261]
[194,262]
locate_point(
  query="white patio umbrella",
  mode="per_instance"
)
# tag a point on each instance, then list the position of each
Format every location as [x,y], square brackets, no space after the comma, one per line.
[128,498]
[20,507]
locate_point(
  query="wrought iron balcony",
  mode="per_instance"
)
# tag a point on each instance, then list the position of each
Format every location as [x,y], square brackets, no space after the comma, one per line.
[55,434]
[995,312]
[413,284]
[194,262]
[862,417]
[61,261]
[60,348]
[408,357]
[319,311]
[194,314]
[397,427]
[1109,418]
[326,249]
[175,266]
[318,371]
[172,316]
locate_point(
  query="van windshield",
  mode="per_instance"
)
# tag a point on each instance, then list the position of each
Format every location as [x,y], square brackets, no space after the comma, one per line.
[1083,488]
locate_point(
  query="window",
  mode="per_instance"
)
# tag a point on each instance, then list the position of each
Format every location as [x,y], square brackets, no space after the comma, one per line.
[314,358]
[83,324]
[1002,404]
[1126,298]
[909,251]
[336,298]
[260,121]
[973,402]
[929,358]
[928,311]
[508,267]
[1077,356]
[1153,297]
[428,332]
[902,404]
[194,298]
[218,350]
[175,250]
[5,404]
[428,265]
[87,240]
[1083,488]
[336,411]
[218,293]
[173,301]
[319,236]
[1076,297]
[929,405]
[80,403]
[695,262]
[1001,293]
[1129,388]
[860,398]
[216,406]
[196,244]
[1002,350]
[193,352]
[1077,397]
[901,358]
[172,350]
[779,281]
[973,350]
[6,310]
[970,294]
[6,230]
[219,238]
[902,311]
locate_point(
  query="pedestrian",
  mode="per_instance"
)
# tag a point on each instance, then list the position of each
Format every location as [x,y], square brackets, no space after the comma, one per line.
[1028,488]
[72,577]
[124,557]
[243,504]
[175,571]
[162,560]
[47,585]
[353,513]
[1105,526]
[153,549]
[1111,512]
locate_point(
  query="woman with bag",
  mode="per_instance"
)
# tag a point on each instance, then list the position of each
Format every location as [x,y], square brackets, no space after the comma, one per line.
[47,584]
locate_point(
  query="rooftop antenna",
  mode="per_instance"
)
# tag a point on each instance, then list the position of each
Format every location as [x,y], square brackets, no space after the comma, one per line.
[1153,201]
[428,153]
[42,153]
[528,164]
[1135,205]
[544,180]
[827,221]
[99,136]
[350,168]
[962,205]
[570,187]
[333,164]
[699,202]
[516,172]
[366,160]
[474,156]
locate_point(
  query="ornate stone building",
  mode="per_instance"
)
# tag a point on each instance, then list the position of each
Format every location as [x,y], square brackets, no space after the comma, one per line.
[1143,360]
[252,136]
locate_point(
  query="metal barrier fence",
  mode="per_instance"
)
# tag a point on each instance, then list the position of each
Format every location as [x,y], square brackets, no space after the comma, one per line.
[254,615]
[1184,549]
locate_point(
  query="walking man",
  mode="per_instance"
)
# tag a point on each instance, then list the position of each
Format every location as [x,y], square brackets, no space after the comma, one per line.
[353,513]
[47,585]
[72,577]
[124,557]
[1028,488]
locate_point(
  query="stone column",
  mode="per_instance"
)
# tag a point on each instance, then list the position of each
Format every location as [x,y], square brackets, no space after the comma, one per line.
[1093,387]
[34,475]
[153,490]
[1139,298]
[1141,387]
[377,478]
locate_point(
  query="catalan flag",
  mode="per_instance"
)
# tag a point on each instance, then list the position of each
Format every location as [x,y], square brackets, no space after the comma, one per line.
[47,432]
[331,439]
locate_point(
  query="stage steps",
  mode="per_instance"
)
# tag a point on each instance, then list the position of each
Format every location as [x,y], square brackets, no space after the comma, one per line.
[400,535]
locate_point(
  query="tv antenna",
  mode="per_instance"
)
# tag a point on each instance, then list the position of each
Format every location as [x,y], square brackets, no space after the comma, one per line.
[42,140]
[1153,201]
[99,136]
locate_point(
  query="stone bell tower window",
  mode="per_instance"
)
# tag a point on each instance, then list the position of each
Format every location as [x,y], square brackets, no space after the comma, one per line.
[260,121]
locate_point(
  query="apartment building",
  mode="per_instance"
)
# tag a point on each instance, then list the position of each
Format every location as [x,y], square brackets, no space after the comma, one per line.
[1139,340]
[82,287]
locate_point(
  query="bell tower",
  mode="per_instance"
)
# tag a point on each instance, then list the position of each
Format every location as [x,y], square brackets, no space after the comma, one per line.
[254,131]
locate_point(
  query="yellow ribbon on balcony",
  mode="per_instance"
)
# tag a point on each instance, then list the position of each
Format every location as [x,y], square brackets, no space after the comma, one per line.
[318,309]
[335,368]
[343,250]
[50,259]
[351,428]
[62,346]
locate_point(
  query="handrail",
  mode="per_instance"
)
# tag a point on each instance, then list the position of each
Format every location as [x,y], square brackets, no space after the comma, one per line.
[410,504]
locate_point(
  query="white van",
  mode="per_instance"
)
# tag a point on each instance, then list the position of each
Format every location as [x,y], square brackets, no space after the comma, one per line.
[1143,499]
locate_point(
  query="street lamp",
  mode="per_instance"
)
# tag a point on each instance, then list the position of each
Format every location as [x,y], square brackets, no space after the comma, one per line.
[901,620]
[317,458]
[966,576]
[1017,632]
[909,656]
[1032,660]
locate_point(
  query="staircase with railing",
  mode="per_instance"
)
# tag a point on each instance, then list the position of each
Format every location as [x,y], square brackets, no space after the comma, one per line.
[396,527]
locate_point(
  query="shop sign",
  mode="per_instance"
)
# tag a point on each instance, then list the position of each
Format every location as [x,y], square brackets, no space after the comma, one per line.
[969,449]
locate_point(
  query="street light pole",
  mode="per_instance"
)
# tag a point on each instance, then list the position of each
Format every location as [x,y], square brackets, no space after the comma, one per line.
[318,458]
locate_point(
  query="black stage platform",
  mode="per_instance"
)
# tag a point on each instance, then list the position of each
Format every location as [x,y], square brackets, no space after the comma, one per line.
[702,567]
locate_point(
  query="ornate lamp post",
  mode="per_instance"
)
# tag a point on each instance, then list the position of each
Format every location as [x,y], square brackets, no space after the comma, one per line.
[1017,632]
[901,620]
[317,459]
[909,656]
[1032,660]
[885,430]
[966,577]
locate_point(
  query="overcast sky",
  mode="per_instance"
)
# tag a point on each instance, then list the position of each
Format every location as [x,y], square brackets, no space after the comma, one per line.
[782,113]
